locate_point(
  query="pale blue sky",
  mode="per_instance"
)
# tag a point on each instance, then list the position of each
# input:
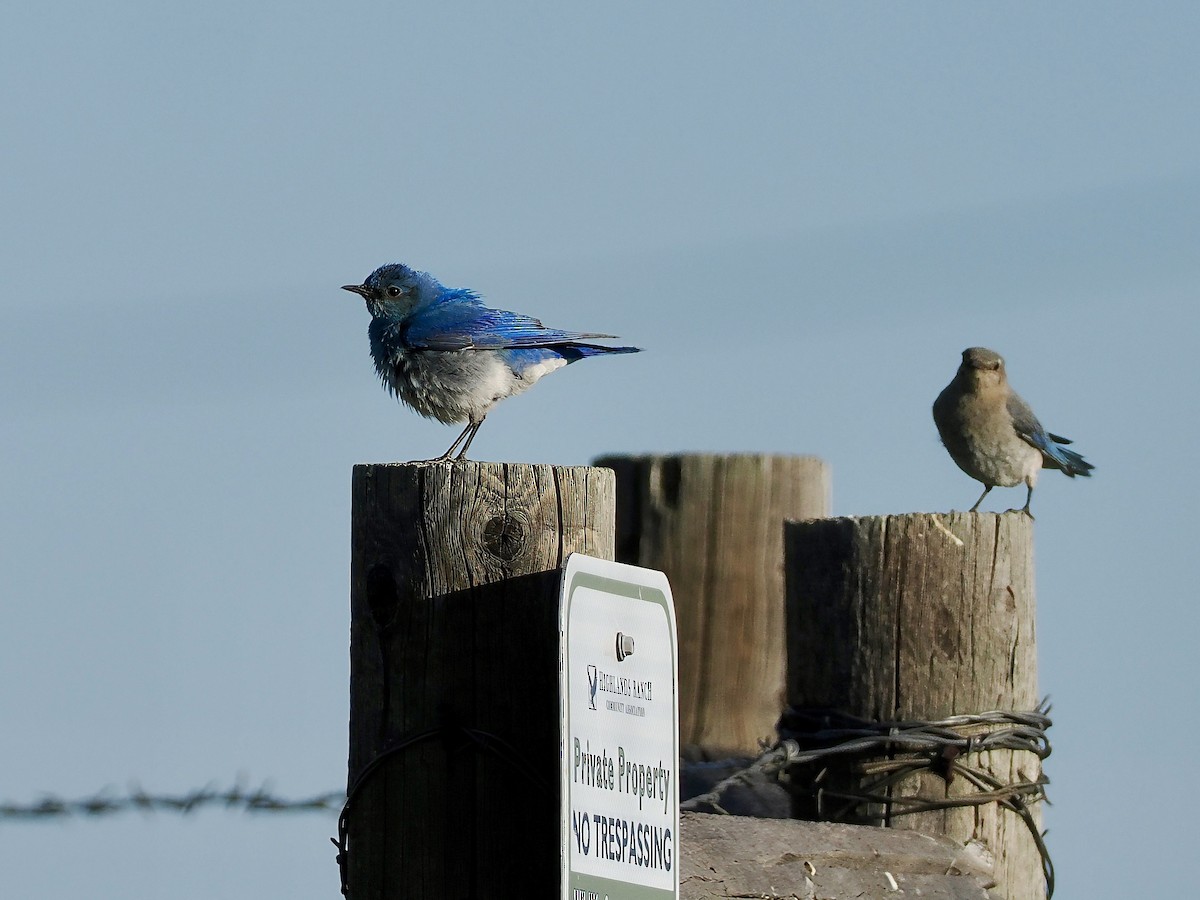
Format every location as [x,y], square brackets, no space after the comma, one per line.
[803,212]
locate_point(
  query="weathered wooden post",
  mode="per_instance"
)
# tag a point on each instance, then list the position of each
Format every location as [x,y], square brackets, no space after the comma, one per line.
[714,525]
[921,617]
[454,714]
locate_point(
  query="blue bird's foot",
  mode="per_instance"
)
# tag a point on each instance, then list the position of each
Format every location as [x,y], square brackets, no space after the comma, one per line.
[468,434]
[444,458]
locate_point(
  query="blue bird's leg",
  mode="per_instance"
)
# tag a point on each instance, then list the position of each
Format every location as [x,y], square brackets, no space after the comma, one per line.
[458,440]
[981,496]
[474,429]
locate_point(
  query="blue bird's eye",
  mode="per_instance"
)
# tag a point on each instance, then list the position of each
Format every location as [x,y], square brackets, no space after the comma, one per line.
[393,291]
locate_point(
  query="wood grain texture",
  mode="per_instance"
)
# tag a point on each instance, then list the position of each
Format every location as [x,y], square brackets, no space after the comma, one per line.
[454,625]
[920,617]
[773,859]
[714,525]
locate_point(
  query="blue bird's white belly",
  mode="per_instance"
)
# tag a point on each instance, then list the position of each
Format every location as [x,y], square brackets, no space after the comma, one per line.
[463,385]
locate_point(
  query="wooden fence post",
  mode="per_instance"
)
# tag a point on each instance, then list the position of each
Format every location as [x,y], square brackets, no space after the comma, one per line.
[454,674]
[920,617]
[714,524]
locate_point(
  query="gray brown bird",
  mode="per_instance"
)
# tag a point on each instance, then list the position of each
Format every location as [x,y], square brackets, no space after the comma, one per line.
[992,433]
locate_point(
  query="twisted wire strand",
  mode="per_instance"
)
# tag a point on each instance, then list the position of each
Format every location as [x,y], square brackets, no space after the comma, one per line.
[823,736]
[106,802]
[807,737]
[468,738]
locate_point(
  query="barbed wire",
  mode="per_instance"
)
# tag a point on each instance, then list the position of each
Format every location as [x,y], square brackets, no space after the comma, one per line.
[107,802]
[469,737]
[807,737]
[869,749]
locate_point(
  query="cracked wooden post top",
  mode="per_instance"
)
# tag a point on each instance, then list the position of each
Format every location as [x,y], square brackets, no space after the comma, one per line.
[454,656]
[921,617]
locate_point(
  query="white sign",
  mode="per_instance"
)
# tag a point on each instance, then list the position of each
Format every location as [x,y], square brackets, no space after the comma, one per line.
[619,734]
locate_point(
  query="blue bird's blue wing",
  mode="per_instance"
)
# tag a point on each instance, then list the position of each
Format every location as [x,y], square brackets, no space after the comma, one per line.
[466,326]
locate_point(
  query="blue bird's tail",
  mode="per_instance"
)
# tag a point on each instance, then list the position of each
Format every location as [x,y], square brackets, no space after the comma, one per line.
[573,352]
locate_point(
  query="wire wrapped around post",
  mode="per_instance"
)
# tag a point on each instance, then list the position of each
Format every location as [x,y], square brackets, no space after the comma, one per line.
[885,754]
[920,618]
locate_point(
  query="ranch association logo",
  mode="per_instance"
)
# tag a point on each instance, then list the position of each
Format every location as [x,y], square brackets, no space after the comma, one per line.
[593,683]
[626,694]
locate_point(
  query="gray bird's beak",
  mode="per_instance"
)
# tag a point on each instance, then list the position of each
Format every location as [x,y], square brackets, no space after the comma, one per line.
[360,289]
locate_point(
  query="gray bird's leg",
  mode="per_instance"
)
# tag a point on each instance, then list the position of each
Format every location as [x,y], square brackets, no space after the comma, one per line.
[1025,508]
[981,496]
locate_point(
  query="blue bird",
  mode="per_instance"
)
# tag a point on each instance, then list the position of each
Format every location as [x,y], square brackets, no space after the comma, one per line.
[992,433]
[449,357]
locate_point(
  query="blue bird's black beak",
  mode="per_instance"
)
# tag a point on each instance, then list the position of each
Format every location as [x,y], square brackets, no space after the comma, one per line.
[360,289]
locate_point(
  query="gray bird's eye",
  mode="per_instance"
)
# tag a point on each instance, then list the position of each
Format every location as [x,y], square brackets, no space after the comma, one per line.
[393,291]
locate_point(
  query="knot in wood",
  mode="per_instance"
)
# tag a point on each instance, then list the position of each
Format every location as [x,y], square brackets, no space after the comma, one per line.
[504,537]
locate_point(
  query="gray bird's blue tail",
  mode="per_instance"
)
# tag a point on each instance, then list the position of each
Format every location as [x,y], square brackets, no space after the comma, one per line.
[1070,462]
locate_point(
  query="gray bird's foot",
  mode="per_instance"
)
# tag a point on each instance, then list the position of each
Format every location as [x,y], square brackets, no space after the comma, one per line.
[986,490]
[1023,509]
